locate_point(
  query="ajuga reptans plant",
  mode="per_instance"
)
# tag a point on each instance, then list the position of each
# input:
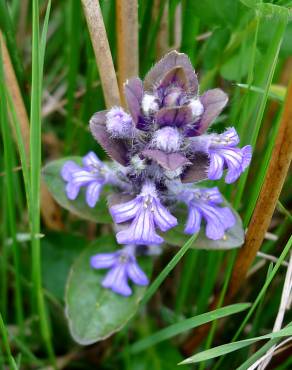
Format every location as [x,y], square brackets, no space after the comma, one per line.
[161,149]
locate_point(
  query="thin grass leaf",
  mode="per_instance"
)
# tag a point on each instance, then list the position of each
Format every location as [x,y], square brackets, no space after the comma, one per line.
[231,347]
[276,92]
[5,342]
[168,268]
[185,325]
[10,194]
[35,174]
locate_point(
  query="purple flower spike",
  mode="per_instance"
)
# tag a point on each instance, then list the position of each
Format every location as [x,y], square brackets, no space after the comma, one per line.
[147,213]
[89,176]
[123,267]
[203,204]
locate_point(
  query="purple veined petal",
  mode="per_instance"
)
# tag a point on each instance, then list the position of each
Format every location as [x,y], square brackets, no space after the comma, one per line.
[233,158]
[72,190]
[115,148]
[92,193]
[247,154]
[162,217]
[83,177]
[197,171]
[216,167]
[123,212]
[68,168]
[174,116]
[169,161]
[215,227]
[136,274]
[116,280]
[193,223]
[141,230]
[227,217]
[91,161]
[171,60]
[231,136]
[103,260]
[212,195]
[133,90]
[176,76]
[213,101]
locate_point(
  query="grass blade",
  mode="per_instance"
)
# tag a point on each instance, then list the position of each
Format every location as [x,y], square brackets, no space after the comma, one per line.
[230,347]
[186,325]
[168,268]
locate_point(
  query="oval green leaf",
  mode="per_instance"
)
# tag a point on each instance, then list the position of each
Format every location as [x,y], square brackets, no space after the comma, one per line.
[95,313]
[56,185]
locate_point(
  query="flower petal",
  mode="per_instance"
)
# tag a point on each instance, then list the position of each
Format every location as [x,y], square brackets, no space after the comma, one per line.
[194,221]
[213,101]
[125,211]
[115,148]
[103,260]
[92,193]
[162,217]
[68,168]
[91,161]
[133,90]
[116,280]
[215,170]
[169,161]
[72,190]
[136,274]
[174,116]
[176,76]
[141,230]
[171,60]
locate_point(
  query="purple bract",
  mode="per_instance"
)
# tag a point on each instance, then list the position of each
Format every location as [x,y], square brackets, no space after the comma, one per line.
[161,148]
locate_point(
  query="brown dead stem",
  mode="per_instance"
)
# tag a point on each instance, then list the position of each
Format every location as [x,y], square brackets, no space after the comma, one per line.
[50,210]
[127,37]
[102,52]
[261,218]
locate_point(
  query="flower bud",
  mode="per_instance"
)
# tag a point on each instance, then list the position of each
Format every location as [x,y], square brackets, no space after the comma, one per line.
[196,107]
[119,123]
[167,139]
[149,104]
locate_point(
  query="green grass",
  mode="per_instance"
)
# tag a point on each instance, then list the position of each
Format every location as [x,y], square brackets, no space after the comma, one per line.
[242,47]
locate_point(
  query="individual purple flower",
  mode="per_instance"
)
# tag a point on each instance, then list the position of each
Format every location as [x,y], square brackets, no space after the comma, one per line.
[90,175]
[147,213]
[203,204]
[123,267]
[223,153]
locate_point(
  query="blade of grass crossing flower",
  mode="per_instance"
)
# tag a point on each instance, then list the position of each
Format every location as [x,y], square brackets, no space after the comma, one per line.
[213,264]
[168,268]
[253,133]
[185,325]
[5,342]
[231,347]
[9,181]
[35,169]
[188,270]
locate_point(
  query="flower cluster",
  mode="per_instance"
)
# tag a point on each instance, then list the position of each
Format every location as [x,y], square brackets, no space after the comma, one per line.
[161,149]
